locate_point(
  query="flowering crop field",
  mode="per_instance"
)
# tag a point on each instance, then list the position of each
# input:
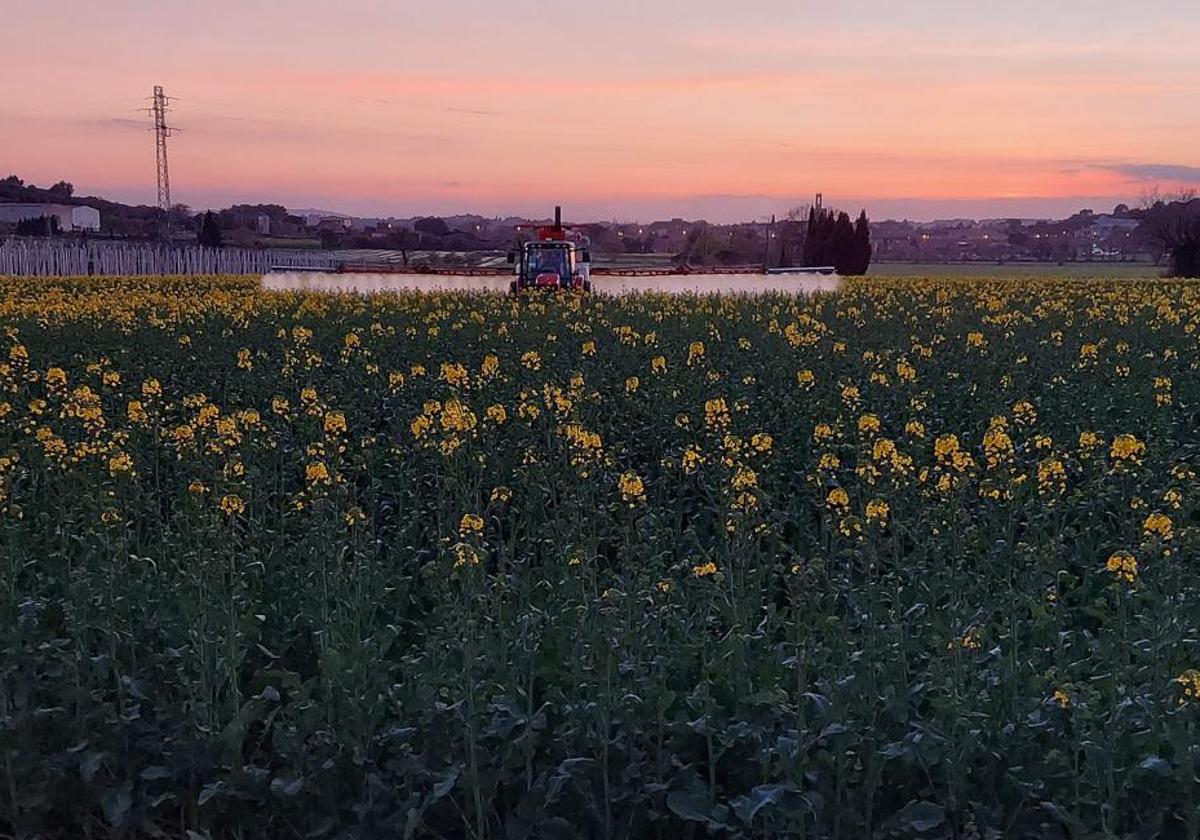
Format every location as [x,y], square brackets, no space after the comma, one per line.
[916,559]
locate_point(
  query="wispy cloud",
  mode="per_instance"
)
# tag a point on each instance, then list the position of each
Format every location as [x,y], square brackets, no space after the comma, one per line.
[474,112]
[877,43]
[118,123]
[1157,171]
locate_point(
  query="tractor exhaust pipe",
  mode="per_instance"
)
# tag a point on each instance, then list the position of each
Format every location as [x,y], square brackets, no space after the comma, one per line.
[557,217]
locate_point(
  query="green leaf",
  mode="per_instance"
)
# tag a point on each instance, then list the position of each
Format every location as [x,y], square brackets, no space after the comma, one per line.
[692,805]
[287,787]
[322,828]
[747,807]
[445,785]
[89,764]
[116,802]
[1156,765]
[921,815]
[209,791]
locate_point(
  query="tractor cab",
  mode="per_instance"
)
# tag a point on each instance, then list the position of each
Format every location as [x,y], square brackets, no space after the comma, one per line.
[555,260]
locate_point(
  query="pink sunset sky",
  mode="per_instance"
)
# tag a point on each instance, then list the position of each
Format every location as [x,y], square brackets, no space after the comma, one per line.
[623,109]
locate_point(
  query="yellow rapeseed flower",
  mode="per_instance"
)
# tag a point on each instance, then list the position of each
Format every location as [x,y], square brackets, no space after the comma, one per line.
[1123,566]
[1089,441]
[232,505]
[632,489]
[501,494]
[970,640]
[1127,448]
[1190,680]
[877,511]
[716,412]
[945,447]
[120,464]
[136,412]
[838,499]
[1025,413]
[454,374]
[335,423]
[420,426]
[465,555]
[1051,476]
[1158,524]
[744,479]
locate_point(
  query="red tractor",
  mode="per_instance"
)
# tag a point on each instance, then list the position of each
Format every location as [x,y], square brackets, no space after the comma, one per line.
[557,259]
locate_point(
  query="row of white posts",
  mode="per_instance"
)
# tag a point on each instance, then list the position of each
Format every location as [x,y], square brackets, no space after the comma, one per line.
[31,258]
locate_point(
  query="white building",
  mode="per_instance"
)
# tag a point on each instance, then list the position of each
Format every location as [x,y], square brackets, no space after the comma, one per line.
[70,217]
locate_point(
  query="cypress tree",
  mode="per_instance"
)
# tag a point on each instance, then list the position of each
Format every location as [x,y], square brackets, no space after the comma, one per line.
[842,241]
[210,231]
[811,238]
[834,240]
[828,239]
[862,244]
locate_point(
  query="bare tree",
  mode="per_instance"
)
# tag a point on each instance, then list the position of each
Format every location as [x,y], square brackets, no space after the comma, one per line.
[1173,223]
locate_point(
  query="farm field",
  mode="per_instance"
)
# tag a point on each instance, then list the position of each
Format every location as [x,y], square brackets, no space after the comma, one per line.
[722,284]
[1042,271]
[917,559]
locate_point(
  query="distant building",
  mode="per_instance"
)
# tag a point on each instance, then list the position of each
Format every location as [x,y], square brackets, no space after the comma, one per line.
[262,225]
[334,224]
[70,217]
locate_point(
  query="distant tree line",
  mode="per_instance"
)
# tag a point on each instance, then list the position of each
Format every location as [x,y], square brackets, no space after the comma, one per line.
[831,239]
[13,189]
